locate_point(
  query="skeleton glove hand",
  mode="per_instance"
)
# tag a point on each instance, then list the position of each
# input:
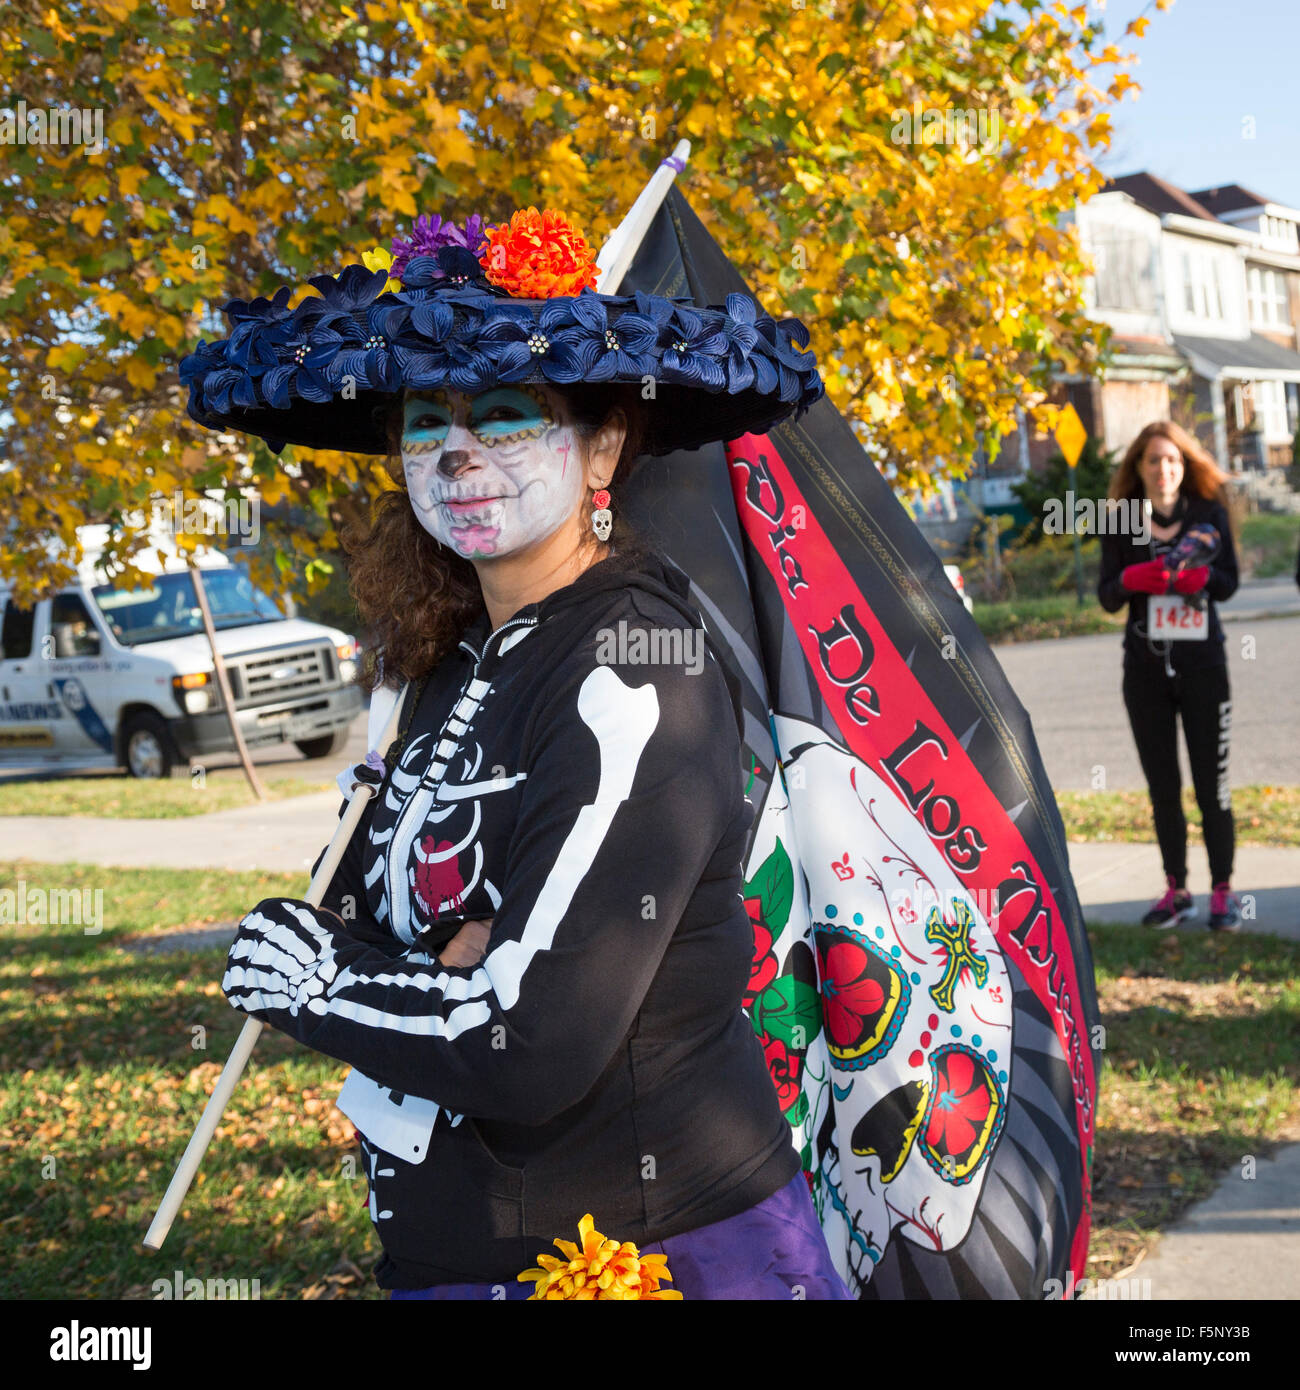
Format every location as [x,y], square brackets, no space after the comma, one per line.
[280,959]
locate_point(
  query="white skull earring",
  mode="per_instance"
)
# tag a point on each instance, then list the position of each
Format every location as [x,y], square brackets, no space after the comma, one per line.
[601,518]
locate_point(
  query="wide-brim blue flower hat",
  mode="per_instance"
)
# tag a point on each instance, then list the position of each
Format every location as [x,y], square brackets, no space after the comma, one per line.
[474,307]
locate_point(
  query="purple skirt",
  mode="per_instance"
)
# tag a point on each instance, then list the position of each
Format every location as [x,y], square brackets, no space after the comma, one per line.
[775,1250]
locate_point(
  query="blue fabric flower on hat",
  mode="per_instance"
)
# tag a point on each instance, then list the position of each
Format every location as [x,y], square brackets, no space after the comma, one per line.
[516,344]
[441,347]
[352,289]
[312,349]
[696,343]
[604,349]
[741,339]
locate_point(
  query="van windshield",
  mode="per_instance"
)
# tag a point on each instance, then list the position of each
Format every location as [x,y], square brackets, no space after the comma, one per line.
[169,607]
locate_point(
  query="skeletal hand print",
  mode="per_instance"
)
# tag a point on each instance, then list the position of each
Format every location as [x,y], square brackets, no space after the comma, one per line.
[281,958]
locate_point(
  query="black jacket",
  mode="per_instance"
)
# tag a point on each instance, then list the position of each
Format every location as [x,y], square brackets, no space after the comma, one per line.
[598,1059]
[1140,651]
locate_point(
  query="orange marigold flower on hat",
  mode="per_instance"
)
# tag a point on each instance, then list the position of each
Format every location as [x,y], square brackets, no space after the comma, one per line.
[538,255]
[600,1270]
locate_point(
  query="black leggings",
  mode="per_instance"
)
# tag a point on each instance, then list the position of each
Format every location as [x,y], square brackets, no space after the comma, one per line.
[1154,700]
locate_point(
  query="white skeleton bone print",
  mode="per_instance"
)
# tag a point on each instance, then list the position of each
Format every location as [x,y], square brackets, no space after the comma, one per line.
[284,957]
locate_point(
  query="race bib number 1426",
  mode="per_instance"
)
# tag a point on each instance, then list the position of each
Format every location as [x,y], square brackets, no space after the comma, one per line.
[1173,619]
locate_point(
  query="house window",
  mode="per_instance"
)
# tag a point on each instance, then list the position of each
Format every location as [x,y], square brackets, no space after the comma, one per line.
[1270,411]
[1280,232]
[1268,301]
[1123,271]
[1213,290]
[1203,290]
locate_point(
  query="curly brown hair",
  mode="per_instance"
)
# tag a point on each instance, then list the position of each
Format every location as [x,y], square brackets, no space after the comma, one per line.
[417,596]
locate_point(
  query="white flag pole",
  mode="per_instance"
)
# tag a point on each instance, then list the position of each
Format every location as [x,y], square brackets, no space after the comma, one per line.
[614,259]
[617,253]
[188,1167]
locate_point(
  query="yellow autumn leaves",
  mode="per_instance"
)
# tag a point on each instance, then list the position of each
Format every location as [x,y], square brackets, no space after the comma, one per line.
[255,146]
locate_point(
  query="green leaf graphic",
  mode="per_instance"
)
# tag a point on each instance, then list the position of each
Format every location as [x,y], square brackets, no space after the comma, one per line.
[785,1006]
[773,886]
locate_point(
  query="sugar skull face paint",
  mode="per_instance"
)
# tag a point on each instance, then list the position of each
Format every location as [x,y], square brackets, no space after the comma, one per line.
[489,474]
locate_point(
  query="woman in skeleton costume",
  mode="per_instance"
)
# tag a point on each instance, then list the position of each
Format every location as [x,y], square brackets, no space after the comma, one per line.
[534,952]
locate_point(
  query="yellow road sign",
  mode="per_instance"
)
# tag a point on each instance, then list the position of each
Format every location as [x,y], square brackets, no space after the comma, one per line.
[1071,435]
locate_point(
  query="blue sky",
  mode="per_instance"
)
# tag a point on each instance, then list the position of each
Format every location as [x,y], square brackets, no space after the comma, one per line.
[1205,67]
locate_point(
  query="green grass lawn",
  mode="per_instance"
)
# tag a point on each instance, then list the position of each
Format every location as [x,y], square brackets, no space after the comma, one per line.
[1268,545]
[1263,815]
[122,797]
[103,1084]
[1054,615]
[1202,1066]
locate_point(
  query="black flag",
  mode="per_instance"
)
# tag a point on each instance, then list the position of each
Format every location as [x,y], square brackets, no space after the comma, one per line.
[922,984]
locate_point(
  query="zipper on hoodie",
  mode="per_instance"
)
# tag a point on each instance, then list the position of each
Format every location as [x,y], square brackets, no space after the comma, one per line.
[395,872]
[509,622]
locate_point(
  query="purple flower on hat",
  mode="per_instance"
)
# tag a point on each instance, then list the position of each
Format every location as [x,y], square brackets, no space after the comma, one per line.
[429,235]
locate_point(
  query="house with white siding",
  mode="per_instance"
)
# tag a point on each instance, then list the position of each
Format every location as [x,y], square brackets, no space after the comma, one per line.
[1202,294]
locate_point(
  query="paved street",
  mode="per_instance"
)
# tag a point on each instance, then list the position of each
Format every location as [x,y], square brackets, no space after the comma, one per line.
[1071,689]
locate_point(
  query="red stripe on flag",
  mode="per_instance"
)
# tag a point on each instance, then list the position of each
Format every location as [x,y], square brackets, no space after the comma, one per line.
[887,719]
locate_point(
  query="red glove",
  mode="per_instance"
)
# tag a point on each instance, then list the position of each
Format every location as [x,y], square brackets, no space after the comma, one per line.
[1192,581]
[1150,577]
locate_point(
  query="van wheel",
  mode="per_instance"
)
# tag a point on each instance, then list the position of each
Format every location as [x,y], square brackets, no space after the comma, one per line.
[147,747]
[324,747]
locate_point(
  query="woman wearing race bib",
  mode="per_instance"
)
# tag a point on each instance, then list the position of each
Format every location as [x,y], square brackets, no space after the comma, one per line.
[1174,659]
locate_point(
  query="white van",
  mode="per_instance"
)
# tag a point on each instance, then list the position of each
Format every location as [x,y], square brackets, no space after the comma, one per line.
[102,677]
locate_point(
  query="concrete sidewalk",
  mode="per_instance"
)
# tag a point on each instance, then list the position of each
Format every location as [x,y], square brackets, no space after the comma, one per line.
[280,836]
[1242,1242]
[1116,882]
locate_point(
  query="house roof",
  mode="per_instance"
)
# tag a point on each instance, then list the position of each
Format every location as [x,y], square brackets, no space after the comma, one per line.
[1158,196]
[1245,358]
[1228,198]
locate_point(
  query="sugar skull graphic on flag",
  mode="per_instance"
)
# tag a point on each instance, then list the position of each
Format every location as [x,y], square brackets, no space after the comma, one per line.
[911,1036]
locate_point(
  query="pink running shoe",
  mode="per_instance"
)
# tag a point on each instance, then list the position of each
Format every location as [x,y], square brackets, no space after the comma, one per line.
[1225,908]
[1174,907]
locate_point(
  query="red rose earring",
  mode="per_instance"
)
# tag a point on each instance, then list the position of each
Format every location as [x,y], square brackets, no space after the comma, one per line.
[601,519]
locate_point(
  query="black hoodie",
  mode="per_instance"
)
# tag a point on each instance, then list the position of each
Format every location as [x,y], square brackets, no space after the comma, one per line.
[575,776]
[1142,652]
